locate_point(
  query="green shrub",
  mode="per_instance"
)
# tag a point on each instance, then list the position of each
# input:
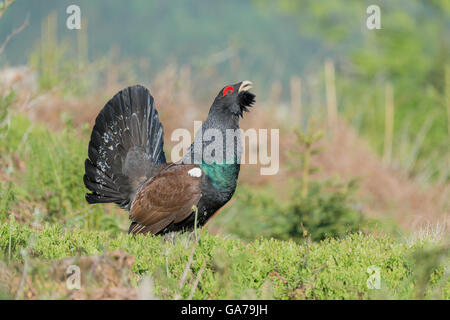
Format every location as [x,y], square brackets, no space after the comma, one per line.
[329,210]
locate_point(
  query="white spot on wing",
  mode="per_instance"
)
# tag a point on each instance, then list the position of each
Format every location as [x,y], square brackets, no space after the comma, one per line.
[195,172]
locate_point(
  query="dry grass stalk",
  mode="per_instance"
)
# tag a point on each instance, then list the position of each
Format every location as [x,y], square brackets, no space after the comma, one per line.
[296,99]
[330,87]
[389,124]
[447,107]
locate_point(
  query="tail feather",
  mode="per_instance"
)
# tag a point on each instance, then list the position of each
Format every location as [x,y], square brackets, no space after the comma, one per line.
[126,147]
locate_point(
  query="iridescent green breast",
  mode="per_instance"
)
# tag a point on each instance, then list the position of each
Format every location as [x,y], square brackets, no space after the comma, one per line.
[222,176]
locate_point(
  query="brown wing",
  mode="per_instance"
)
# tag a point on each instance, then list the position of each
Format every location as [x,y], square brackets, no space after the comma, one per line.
[167,197]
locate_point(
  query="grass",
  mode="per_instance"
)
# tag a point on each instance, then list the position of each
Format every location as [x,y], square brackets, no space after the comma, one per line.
[264,268]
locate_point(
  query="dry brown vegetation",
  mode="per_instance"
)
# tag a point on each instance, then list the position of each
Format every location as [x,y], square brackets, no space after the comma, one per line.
[107,276]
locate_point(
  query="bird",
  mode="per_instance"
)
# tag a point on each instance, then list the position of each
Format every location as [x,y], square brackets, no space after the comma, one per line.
[126,163]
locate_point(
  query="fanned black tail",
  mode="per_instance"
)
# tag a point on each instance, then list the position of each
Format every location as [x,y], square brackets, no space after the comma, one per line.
[126,147]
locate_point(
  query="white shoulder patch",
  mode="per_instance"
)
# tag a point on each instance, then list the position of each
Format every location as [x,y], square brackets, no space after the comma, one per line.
[195,172]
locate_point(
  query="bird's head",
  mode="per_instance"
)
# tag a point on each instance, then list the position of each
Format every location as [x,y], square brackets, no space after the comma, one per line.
[234,99]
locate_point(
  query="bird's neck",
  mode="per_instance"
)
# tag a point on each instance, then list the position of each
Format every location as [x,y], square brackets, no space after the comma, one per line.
[219,134]
[222,176]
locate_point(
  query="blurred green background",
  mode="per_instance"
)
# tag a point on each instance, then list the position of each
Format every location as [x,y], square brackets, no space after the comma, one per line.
[271,41]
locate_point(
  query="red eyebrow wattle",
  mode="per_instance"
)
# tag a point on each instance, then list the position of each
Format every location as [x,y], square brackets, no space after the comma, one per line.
[225,91]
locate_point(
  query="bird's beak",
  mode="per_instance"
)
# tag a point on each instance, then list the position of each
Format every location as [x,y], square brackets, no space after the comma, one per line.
[245,86]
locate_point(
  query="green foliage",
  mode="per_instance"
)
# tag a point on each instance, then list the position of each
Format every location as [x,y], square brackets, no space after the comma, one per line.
[53,175]
[5,102]
[427,261]
[14,134]
[331,269]
[53,171]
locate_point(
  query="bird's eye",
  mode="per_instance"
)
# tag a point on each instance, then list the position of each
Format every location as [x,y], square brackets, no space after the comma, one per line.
[227,90]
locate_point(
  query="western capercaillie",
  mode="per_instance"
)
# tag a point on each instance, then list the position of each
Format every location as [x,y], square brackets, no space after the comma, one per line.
[126,162]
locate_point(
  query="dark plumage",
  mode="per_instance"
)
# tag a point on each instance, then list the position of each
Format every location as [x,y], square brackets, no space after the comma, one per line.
[127,165]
